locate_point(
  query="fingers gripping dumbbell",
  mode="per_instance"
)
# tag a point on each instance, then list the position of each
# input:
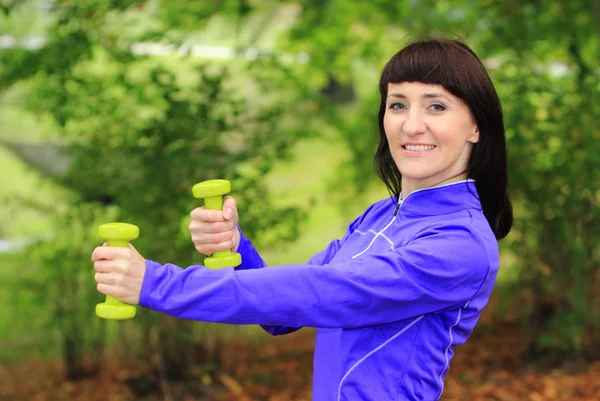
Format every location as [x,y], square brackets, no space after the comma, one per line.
[117,234]
[212,191]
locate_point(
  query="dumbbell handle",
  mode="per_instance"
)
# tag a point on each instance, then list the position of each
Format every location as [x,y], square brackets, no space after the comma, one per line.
[122,244]
[216,203]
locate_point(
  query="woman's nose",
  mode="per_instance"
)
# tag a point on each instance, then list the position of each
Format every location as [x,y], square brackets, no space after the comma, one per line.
[414,123]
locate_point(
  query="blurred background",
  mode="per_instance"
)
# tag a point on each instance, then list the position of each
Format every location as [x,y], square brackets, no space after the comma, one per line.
[111,110]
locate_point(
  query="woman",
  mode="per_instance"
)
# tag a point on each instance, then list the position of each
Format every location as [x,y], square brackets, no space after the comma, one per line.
[408,280]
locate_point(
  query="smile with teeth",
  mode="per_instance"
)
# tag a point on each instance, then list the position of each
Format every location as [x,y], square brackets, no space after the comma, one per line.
[418,148]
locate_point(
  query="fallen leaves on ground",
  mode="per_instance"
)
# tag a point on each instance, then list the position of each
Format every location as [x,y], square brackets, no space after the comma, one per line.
[280,369]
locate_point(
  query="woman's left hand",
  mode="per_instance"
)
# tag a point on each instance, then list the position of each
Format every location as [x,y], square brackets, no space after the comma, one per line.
[119,272]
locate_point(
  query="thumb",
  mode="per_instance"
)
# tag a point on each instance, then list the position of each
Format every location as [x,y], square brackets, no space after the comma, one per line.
[229,208]
[135,251]
[131,247]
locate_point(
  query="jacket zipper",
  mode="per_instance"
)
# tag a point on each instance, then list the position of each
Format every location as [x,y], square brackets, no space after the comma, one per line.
[397,208]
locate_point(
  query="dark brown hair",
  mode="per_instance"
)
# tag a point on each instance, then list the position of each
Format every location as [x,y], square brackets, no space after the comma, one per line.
[454,66]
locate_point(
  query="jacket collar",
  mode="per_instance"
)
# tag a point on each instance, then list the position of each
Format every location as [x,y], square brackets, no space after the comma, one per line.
[442,199]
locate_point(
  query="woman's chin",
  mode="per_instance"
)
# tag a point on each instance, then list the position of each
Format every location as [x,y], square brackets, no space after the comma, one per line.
[416,176]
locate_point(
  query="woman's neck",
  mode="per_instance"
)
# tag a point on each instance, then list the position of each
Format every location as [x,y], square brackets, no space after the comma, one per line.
[409,186]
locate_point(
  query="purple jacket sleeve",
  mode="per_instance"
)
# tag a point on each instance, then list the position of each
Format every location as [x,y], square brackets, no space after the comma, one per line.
[251,259]
[442,267]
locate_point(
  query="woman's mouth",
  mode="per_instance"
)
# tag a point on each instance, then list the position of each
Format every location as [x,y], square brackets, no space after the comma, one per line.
[418,148]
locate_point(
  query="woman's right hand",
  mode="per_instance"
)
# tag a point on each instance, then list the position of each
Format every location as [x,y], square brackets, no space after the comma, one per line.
[215,230]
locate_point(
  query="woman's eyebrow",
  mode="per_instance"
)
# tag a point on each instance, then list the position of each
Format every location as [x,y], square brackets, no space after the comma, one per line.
[425,95]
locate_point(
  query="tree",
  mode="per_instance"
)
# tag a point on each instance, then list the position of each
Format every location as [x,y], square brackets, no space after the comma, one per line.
[140,132]
[551,120]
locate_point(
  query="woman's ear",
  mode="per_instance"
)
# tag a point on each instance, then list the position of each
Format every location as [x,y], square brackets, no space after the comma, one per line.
[474,138]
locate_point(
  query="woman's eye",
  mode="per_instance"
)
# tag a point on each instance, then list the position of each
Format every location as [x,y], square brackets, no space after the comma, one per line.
[437,107]
[396,106]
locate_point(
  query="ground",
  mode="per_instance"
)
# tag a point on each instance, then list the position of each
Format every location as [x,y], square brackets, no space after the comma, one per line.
[486,368]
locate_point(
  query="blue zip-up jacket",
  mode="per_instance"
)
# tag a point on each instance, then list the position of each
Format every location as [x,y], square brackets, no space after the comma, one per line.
[390,299]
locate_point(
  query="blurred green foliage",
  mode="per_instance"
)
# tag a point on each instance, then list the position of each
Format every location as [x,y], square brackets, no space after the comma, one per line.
[56,284]
[142,130]
[140,133]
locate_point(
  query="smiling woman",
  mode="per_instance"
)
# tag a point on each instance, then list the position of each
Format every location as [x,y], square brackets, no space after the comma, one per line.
[430,133]
[411,276]
[448,79]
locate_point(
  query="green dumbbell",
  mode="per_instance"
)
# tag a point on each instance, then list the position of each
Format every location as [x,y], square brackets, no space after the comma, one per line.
[212,192]
[117,234]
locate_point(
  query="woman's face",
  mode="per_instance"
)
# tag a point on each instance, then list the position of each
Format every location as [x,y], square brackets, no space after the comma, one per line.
[430,133]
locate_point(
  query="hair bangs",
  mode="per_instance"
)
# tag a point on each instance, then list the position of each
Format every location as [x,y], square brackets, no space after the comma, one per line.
[432,63]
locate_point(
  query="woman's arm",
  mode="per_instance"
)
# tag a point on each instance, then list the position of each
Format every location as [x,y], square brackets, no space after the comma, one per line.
[443,267]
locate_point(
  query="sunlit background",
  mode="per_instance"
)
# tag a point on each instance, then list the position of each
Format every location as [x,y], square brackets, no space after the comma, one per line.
[113,110]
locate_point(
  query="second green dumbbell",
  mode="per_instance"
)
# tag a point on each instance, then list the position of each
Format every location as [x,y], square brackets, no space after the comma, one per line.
[212,191]
[117,234]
